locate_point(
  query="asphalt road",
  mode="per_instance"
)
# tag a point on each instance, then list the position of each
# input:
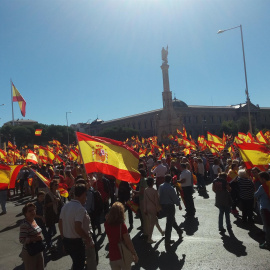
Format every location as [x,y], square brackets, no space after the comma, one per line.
[202,247]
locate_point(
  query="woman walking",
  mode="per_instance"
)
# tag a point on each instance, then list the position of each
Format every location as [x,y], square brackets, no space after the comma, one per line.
[116,230]
[151,208]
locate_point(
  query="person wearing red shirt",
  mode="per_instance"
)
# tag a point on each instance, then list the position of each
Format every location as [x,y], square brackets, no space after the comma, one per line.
[116,229]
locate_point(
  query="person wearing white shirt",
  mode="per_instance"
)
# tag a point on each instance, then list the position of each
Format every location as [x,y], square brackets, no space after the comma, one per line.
[75,237]
[186,181]
[160,172]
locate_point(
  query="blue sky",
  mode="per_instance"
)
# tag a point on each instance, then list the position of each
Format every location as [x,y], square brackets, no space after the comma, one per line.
[102,58]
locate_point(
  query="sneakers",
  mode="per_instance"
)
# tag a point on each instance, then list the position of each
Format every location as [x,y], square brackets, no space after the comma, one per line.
[265,246]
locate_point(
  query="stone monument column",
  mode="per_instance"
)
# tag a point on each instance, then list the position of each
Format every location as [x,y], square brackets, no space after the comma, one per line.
[167,121]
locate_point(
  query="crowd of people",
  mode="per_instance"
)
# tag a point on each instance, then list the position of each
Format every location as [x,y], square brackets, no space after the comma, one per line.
[96,198]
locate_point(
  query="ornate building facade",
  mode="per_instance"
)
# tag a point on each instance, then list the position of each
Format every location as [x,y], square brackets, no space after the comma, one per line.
[176,113]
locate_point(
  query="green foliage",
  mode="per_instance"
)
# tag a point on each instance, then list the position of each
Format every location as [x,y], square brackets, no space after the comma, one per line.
[243,124]
[118,133]
[25,135]
[228,127]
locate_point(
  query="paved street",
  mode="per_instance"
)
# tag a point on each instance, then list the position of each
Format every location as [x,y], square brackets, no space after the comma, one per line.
[202,247]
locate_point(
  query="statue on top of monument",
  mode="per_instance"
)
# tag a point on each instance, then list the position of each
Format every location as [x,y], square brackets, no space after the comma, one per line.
[164,54]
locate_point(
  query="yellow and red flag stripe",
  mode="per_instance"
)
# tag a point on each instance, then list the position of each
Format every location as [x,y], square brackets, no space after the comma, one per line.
[254,155]
[109,157]
[38,132]
[17,97]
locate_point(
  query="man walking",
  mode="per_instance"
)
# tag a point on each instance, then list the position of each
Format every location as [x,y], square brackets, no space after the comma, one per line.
[187,186]
[72,228]
[168,199]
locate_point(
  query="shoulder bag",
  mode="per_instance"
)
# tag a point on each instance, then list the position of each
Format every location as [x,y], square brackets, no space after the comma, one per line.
[127,257]
[35,247]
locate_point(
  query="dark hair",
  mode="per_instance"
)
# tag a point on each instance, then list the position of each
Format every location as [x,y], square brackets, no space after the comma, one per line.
[183,165]
[216,161]
[265,176]
[234,165]
[40,193]
[150,181]
[80,181]
[255,169]
[168,178]
[80,189]
[223,175]
[26,207]
[52,183]
[142,172]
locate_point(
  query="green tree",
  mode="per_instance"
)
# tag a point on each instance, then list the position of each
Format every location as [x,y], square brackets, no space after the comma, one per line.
[118,133]
[228,127]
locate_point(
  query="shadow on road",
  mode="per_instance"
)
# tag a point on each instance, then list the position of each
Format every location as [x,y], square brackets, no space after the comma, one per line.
[190,225]
[151,258]
[17,224]
[233,245]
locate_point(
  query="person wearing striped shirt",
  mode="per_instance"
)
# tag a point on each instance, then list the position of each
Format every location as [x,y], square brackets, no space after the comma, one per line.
[246,194]
[30,232]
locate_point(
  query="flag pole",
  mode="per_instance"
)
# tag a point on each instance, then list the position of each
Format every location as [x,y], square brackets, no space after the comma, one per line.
[12,102]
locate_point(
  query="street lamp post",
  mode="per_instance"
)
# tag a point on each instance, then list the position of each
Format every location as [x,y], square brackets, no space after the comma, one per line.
[67,125]
[244,59]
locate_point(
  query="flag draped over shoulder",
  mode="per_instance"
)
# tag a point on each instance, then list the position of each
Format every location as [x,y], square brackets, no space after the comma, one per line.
[109,157]
[254,155]
[17,97]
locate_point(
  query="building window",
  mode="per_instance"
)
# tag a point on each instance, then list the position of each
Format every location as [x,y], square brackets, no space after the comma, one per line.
[145,124]
[220,120]
[139,125]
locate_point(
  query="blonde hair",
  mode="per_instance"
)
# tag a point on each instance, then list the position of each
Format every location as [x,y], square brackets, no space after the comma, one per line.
[116,214]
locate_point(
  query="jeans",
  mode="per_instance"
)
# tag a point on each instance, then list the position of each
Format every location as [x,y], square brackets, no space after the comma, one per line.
[266,225]
[222,211]
[76,249]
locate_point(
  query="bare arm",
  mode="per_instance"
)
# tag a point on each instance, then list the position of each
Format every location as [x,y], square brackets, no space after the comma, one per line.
[79,230]
[130,246]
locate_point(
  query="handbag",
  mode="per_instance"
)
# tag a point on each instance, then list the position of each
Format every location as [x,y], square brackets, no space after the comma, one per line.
[34,248]
[127,257]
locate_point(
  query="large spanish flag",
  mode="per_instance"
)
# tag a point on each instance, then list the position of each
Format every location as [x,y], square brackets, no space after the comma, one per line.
[109,157]
[17,97]
[254,155]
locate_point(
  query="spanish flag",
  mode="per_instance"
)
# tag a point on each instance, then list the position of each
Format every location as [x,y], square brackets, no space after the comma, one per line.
[4,176]
[38,132]
[3,155]
[17,97]
[109,157]
[31,157]
[260,138]
[254,155]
